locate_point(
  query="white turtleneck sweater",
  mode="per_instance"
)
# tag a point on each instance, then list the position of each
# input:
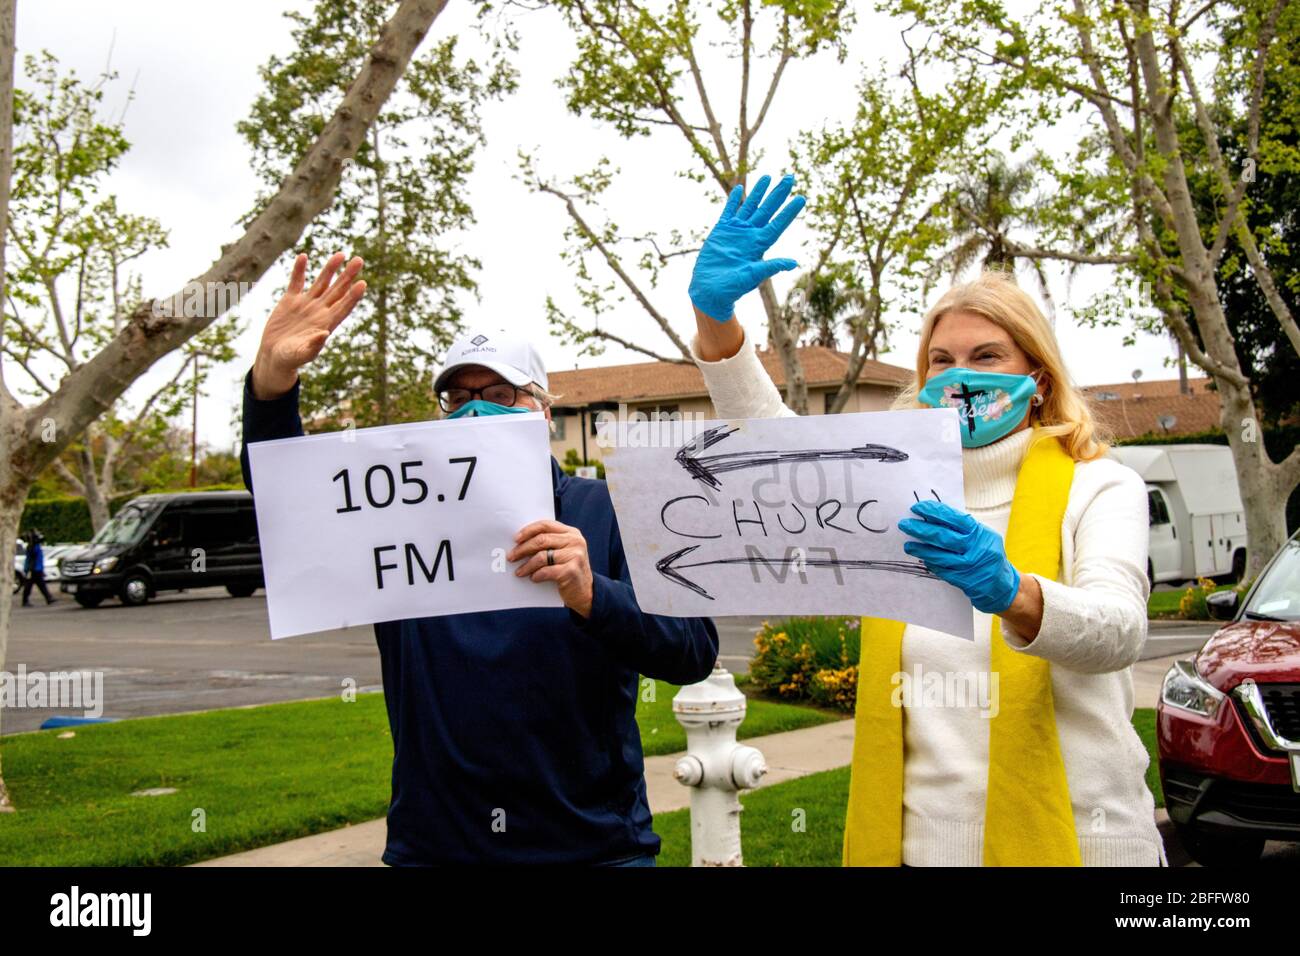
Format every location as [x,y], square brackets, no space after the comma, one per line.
[1094,625]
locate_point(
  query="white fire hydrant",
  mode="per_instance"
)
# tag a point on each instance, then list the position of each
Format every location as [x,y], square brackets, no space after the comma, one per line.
[715,766]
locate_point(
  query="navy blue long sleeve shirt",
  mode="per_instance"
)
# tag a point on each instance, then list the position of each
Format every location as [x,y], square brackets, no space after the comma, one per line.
[514,732]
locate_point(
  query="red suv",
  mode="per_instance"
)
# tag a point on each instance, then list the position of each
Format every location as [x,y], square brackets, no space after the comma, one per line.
[1228,723]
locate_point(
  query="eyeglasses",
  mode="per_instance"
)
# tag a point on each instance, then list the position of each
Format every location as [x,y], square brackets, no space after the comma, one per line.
[502,393]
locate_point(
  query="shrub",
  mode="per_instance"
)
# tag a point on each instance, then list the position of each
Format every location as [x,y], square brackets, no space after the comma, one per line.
[835,687]
[571,462]
[1192,605]
[809,658]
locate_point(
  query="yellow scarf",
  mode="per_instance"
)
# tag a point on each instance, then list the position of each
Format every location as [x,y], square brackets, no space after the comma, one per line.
[1028,820]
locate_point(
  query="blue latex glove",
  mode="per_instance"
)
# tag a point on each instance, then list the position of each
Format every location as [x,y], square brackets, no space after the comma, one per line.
[968,555]
[731,263]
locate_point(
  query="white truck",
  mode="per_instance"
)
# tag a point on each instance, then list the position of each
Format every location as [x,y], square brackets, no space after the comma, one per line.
[1198,525]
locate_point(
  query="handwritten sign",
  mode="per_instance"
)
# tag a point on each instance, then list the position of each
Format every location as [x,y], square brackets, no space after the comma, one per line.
[399,521]
[786,515]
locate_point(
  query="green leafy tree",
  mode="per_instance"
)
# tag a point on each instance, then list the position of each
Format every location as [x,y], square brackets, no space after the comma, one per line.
[639,69]
[820,302]
[32,436]
[1150,76]
[988,204]
[69,288]
[399,206]
[1274,197]
[881,189]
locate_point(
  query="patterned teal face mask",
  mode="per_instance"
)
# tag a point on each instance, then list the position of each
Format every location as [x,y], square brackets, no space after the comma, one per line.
[989,404]
[478,406]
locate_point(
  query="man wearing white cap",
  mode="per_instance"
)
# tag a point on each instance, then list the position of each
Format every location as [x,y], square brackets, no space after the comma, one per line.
[514,732]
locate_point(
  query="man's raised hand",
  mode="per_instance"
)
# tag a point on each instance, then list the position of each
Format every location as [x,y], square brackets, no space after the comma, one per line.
[302,321]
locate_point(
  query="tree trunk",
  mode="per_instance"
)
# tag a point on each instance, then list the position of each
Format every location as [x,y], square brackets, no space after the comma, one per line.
[381,307]
[1264,486]
[12,497]
[381,354]
[862,347]
[787,347]
[11,509]
[96,499]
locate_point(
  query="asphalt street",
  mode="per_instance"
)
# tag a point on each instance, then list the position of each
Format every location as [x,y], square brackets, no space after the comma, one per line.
[203,649]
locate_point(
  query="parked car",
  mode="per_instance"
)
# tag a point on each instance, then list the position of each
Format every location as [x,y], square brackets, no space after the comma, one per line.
[52,554]
[1198,524]
[168,542]
[1228,723]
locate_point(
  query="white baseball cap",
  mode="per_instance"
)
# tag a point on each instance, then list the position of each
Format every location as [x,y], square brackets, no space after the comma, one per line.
[508,354]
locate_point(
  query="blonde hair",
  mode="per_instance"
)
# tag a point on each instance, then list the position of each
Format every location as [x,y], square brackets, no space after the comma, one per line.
[1066,412]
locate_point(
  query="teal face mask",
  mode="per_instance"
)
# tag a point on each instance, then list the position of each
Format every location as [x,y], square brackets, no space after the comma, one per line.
[989,404]
[476,407]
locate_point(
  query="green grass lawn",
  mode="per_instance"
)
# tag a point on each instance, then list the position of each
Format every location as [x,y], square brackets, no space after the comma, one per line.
[259,775]
[1164,603]
[1144,722]
[816,804]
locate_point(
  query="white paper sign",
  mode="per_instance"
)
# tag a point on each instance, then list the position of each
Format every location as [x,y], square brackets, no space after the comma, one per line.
[399,521]
[788,516]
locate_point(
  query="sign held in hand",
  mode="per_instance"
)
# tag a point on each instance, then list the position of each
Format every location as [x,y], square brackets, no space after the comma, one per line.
[399,521]
[786,515]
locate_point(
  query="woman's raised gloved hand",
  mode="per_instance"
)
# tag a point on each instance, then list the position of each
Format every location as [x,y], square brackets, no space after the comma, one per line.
[960,550]
[731,263]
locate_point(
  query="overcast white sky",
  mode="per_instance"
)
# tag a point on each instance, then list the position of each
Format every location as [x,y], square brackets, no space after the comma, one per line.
[194,65]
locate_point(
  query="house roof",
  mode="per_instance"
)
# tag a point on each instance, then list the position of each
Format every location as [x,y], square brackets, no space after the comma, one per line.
[662,381]
[1133,409]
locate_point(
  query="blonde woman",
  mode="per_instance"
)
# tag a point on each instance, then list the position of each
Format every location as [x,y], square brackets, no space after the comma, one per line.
[1051,550]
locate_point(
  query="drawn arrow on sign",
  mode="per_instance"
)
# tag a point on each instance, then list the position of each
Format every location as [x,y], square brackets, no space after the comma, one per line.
[670,567]
[706,467]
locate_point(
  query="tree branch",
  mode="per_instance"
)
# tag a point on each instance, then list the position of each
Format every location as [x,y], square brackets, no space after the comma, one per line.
[786,56]
[617,267]
[746,41]
[618,340]
[1232,217]
[23,361]
[78,486]
[714,127]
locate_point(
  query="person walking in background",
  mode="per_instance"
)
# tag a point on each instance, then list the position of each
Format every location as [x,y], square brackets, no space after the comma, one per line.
[34,569]
[1051,551]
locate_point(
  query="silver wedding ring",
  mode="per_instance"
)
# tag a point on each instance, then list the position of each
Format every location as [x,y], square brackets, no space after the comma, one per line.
[550,556]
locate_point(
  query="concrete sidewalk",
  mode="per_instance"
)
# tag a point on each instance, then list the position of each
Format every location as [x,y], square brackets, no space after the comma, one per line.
[790,755]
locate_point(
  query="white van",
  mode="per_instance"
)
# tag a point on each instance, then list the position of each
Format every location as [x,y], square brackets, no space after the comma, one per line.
[1198,525]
